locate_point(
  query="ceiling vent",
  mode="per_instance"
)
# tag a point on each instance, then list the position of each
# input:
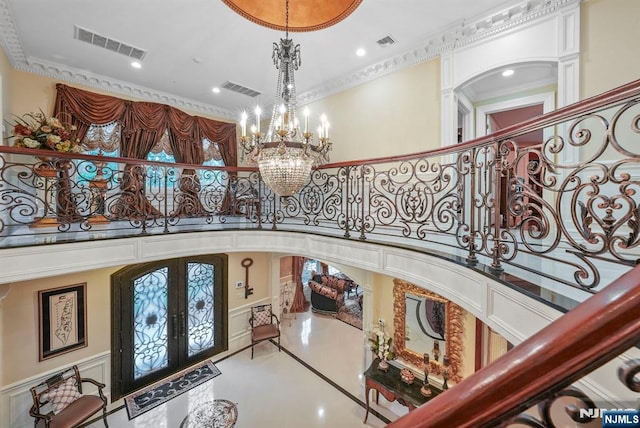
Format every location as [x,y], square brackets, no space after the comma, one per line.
[386,41]
[88,36]
[235,87]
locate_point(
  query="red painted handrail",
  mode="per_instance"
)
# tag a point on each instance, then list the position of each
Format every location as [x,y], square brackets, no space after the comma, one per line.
[582,340]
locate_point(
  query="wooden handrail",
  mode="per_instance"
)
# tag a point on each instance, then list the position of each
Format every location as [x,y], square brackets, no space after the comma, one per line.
[582,340]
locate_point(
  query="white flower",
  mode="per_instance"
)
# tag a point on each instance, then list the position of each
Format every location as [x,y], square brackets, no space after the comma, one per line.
[32,144]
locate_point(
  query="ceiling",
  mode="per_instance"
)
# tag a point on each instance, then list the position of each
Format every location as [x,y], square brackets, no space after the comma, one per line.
[189,47]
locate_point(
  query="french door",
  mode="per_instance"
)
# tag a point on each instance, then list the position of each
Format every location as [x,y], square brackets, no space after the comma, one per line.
[166,315]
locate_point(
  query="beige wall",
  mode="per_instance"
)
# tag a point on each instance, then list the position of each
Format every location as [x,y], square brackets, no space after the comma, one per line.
[610,30]
[20,324]
[395,114]
[19,315]
[259,277]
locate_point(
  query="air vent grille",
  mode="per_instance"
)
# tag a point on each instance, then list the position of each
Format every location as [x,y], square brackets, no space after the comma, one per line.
[386,41]
[236,87]
[93,38]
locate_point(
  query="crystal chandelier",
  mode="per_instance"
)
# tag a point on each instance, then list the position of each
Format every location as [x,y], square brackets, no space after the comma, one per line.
[285,155]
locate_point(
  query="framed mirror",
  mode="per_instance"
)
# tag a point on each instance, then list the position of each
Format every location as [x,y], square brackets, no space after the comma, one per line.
[426,323]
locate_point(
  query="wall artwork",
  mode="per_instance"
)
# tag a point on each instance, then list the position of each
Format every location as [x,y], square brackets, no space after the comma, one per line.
[63,320]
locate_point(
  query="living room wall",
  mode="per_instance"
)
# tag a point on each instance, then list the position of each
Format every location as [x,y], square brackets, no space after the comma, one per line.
[608,45]
[395,114]
[19,315]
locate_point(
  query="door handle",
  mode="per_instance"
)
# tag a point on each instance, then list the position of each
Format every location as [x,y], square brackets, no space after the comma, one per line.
[174,326]
[183,325]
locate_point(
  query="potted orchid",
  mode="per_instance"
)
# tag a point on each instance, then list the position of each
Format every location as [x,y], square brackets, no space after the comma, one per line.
[380,343]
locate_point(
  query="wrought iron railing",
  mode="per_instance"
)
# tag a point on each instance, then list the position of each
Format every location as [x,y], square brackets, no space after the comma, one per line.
[552,202]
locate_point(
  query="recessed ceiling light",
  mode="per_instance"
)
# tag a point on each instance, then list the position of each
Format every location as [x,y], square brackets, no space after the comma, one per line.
[216,90]
[136,64]
[507,73]
[361,52]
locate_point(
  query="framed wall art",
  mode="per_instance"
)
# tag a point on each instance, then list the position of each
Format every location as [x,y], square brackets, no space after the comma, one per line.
[62,320]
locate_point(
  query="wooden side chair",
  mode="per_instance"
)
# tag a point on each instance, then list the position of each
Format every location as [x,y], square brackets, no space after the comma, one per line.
[59,402]
[263,326]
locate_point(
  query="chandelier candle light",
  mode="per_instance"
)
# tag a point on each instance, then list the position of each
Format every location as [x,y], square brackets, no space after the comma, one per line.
[285,155]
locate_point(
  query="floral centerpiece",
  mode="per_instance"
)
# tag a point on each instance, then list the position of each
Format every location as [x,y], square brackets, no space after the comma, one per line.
[380,343]
[38,131]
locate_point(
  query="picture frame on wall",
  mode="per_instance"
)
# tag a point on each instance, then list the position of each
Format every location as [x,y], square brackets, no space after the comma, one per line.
[62,316]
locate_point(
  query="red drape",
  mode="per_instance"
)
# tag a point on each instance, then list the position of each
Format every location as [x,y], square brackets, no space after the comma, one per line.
[299,302]
[143,124]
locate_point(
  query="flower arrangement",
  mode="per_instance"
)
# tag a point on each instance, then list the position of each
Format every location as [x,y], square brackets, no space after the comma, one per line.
[37,131]
[380,343]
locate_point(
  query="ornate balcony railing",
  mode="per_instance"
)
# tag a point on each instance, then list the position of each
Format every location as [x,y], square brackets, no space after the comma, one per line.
[551,203]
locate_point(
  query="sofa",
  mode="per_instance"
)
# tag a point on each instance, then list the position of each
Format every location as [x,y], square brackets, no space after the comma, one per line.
[327,293]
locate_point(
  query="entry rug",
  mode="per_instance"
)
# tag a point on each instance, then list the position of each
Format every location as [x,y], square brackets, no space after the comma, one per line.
[212,414]
[152,396]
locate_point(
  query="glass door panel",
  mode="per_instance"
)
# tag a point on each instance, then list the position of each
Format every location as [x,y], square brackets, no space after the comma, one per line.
[200,307]
[150,323]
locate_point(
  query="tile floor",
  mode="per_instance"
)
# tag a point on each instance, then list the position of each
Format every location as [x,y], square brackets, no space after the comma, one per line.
[278,390]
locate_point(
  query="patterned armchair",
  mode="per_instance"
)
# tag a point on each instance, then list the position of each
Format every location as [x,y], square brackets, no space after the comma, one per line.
[263,326]
[59,402]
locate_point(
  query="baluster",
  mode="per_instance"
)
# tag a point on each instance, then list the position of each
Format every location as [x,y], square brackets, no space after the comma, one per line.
[472,258]
[346,204]
[363,169]
[496,266]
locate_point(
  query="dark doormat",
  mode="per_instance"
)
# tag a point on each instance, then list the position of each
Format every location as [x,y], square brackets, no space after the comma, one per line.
[152,396]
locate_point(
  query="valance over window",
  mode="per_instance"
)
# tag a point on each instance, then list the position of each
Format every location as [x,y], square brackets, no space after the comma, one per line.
[83,109]
[142,126]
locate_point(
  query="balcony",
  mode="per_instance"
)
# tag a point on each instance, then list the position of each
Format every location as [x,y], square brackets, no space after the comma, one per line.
[558,220]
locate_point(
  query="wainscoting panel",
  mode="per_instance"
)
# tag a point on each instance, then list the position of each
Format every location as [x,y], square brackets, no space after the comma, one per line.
[189,244]
[15,399]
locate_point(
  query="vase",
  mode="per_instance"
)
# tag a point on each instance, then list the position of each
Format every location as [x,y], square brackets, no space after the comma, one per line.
[383,365]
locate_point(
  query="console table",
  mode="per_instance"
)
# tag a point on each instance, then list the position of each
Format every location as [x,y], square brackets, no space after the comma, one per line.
[391,386]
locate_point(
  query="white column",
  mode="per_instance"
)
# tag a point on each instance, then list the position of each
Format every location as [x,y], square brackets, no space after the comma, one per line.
[448,102]
[569,68]
[367,319]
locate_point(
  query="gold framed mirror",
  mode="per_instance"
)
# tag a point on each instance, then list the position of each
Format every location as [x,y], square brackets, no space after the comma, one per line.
[426,323]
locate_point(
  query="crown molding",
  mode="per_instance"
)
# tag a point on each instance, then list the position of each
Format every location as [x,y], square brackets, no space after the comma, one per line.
[86,78]
[452,37]
[448,39]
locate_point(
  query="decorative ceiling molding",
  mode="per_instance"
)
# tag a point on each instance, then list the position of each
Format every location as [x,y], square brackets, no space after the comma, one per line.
[9,36]
[452,37]
[86,78]
[305,15]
